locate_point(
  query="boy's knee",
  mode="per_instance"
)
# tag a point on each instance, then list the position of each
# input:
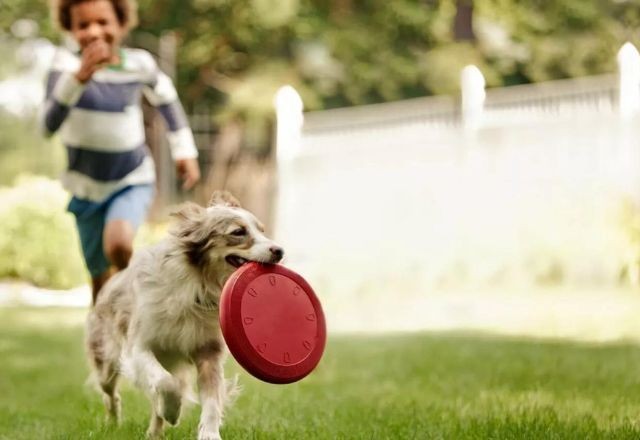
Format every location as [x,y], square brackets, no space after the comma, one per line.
[118,243]
[118,252]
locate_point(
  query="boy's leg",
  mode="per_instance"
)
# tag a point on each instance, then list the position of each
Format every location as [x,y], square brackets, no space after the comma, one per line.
[107,230]
[98,265]
[97,282]
[118,242]
[90,223]
[125,214]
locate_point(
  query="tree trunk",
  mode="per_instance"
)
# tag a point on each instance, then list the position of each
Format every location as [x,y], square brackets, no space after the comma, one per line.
[463,23]
[341,9]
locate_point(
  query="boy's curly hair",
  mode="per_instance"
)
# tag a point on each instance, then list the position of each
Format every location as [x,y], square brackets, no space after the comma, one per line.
[126,11]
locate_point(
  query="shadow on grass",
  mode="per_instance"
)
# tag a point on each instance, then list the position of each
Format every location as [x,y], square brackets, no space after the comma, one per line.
[426,385]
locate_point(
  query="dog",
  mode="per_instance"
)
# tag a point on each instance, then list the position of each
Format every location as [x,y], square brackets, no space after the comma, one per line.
[157,319]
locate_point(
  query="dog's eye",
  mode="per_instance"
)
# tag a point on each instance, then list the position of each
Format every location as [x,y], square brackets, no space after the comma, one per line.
[240,232]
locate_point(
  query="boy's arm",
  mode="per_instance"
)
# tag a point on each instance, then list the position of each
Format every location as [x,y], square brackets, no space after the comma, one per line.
[67,80]
[63,92]
[162,94]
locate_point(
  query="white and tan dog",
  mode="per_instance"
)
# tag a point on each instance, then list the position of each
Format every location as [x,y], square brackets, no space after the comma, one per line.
[158,318]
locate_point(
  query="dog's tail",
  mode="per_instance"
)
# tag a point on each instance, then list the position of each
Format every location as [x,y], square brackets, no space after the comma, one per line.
[92,382]
[232,389]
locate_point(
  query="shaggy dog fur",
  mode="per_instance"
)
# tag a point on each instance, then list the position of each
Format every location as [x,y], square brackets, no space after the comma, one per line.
[157,319]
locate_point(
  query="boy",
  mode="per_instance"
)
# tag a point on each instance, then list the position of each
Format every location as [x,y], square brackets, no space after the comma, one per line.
[93,100]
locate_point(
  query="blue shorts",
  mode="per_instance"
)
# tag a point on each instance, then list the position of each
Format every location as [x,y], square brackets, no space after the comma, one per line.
[131,204]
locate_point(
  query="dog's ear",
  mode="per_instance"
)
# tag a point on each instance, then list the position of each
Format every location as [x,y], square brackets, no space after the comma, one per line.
[189,228]
[223,198]
[188,211]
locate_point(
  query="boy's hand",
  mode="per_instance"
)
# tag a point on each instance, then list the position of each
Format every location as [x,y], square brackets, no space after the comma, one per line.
[94,57]
[188,171]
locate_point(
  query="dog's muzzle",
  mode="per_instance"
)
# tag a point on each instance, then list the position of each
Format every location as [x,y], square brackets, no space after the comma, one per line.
[276,255]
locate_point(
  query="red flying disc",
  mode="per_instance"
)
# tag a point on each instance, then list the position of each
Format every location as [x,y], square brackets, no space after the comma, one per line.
[272,322]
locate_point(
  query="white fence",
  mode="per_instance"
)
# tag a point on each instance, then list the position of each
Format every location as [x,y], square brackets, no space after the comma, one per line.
[519,186]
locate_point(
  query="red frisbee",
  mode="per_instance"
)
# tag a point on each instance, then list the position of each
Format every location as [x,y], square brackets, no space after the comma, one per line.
[272,322]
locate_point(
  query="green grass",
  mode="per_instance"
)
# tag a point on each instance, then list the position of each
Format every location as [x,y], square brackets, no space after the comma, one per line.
[449,386]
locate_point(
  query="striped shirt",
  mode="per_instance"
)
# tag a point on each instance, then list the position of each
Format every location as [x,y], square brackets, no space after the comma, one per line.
[100,122]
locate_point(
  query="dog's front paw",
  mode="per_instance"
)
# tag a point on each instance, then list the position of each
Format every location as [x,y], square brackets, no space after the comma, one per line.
[154,435]
[113,406]
[168,398]
[205,433]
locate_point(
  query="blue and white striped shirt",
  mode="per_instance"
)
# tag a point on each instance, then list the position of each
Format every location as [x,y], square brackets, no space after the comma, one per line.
[100,122]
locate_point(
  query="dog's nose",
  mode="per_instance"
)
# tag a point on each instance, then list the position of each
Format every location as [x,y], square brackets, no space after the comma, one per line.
[277,253]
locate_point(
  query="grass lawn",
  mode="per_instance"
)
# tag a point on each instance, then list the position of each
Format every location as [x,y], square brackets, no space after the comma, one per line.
[428,385]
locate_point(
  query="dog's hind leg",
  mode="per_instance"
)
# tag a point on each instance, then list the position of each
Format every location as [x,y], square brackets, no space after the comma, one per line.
[105,366]
[109,385]
[107,373]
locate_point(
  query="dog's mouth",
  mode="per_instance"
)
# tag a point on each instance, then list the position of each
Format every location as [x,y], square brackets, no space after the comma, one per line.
[235,260]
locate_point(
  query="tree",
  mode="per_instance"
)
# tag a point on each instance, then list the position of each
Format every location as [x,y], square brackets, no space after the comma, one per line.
[463,23]
[232,55]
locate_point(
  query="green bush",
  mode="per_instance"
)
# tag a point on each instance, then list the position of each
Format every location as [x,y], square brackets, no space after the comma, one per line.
[629,217]
[24,149]
[38,239]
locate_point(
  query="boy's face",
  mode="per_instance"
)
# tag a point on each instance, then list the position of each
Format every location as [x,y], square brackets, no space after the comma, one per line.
[96,21]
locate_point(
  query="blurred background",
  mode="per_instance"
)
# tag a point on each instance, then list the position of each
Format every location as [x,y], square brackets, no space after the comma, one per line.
[460,178]
[426,164]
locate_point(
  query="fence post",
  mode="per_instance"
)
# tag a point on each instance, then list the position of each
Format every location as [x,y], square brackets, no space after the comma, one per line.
[473,95]
[629,76]
[289,120]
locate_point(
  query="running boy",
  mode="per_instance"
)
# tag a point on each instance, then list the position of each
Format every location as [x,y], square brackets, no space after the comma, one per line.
[93,100]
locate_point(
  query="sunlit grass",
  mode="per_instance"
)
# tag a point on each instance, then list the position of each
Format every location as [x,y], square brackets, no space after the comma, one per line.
[407,386]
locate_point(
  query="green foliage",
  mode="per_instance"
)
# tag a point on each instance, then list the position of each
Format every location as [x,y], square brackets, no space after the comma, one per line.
[7,54]
[565,38]
[38,241]
[348,53]
[443,65]
[352,53]
[344,56]
[36,10]
[629,221]
[38,237]
[24,149]
[232,55]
